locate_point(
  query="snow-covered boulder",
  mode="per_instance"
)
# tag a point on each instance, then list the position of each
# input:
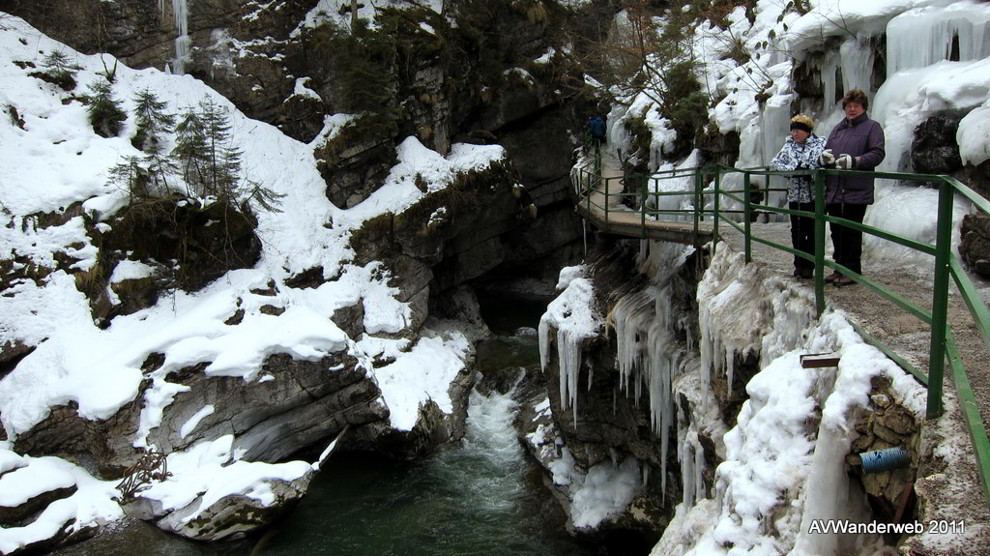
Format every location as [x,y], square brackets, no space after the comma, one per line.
[210,493]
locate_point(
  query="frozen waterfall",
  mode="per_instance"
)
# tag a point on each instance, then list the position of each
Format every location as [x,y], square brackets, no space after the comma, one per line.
[647,352]
[180,14]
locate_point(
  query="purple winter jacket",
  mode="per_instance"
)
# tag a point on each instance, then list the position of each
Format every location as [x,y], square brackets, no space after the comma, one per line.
[861,138]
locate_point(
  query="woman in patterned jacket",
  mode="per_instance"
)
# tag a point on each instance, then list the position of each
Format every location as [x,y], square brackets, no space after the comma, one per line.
[801,151]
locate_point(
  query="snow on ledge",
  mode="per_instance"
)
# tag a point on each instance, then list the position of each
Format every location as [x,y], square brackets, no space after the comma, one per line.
[575,318]
[423,373]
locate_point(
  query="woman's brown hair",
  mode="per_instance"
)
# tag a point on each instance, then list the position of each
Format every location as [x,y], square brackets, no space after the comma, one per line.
[857,96]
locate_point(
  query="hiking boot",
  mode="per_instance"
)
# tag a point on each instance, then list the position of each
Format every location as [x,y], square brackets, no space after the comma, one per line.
[832,277]
[843,281]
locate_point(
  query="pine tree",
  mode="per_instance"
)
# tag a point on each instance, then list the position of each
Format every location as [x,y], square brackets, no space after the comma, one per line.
[210,163]
[191,149]
[152,122]
[60,70]
[224,166]
[105,112]
[131,176]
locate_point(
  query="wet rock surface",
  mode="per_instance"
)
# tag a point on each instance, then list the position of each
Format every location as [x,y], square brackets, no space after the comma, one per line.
[974,246]
[934,149]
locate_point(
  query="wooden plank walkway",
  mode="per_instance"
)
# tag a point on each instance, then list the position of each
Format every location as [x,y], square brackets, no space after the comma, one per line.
[609,216]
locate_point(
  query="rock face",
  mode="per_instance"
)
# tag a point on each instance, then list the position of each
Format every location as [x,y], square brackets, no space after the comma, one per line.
[304,403]
[617,415]
[974,245]
[934,149]
[451,84]
[887,425]
[234,516]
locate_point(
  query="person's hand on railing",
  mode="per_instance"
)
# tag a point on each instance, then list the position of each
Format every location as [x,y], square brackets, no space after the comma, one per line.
[844,162]
[827,159]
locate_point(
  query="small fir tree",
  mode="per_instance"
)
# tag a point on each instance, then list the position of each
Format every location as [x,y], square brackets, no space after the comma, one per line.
[60,70]
[131,176]
[105,112]
[210,163]
[153,123]
[190,148]
[224,164]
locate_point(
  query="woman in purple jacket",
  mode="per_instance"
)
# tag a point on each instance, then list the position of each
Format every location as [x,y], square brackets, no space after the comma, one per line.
[856,143]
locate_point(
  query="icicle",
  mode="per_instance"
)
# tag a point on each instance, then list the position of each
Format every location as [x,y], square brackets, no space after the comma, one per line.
[730,367]
[688,483]
[856,56]
[544,333]
[569,355]
[924,36]
[699,470]
[774,126]
[706,354]
[828,490]
[828,82]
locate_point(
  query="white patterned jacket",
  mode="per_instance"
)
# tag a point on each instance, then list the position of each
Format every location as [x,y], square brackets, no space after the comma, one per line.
[794,156]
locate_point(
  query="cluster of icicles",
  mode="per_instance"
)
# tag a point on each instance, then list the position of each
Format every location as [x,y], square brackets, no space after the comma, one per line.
[649,357]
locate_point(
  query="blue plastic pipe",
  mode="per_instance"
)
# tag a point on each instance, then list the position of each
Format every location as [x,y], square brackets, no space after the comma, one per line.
[884,460]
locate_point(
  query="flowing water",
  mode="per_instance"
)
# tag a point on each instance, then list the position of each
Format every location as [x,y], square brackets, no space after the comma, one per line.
[480,496]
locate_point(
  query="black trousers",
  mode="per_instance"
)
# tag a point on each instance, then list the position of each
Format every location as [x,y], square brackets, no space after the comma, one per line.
[848,243]
[803,234]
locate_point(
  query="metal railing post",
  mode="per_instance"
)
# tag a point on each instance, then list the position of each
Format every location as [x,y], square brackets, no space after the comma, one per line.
[820,242]
[644,189]
[747,213]
[698,203]
[718,180]
[940,300]
[607,187]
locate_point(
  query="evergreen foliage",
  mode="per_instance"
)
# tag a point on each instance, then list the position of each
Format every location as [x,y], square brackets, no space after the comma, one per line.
[190,148]
[210,163]
[105,112]
[363,62]
[153,123]
[59,70]
[132,176]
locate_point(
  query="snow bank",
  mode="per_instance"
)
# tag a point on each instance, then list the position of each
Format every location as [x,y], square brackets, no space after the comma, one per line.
[25,477]
[211,470]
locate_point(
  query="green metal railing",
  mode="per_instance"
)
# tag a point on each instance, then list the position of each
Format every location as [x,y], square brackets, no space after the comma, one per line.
[588,181]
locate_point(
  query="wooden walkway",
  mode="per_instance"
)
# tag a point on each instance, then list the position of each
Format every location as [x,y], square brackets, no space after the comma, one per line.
[610,216]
